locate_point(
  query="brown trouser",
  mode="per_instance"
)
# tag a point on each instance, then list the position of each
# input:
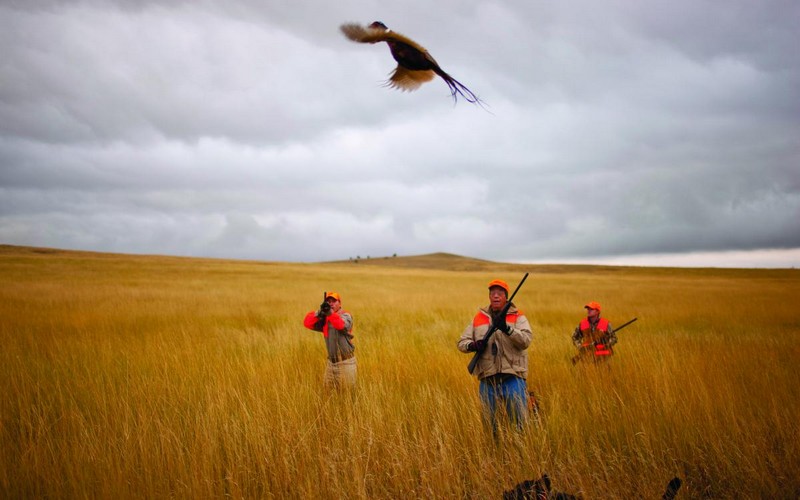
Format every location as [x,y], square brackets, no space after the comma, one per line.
[341,374]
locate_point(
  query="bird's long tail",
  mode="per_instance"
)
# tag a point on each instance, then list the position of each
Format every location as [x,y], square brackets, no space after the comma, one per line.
[458,89]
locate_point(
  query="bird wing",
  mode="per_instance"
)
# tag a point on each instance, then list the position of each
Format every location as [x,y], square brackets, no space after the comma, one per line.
[409,80]
[365,34]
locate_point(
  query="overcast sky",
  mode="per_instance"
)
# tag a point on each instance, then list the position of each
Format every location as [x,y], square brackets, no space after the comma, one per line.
[615,131]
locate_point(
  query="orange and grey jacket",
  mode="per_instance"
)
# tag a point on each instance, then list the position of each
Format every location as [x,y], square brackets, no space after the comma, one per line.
[504,353]
[600,335]
[337,329]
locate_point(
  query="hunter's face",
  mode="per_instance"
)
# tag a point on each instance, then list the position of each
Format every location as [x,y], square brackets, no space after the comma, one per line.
[592,313]
[335,304]
[497,298]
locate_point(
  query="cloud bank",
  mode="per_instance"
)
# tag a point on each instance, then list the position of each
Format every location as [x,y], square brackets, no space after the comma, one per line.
[258,131]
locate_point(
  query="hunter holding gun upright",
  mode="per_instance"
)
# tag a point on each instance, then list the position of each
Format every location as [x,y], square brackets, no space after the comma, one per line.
[502,363]
[336,326]
[594,336]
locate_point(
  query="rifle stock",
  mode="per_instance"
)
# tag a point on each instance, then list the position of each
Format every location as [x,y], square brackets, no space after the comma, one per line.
[474,362]
[585,348]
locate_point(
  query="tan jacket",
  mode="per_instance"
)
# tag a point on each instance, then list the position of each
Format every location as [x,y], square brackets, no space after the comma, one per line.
[504,353]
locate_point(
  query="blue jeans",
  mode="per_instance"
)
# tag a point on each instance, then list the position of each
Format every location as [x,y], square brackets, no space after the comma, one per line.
[512,391]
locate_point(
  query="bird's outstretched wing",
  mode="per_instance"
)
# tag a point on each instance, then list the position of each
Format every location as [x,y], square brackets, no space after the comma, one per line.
[368,34]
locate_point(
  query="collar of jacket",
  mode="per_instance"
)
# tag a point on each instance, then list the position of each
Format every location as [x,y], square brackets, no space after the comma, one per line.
[487,310]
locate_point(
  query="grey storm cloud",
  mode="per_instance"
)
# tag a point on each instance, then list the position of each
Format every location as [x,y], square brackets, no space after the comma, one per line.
[256,130]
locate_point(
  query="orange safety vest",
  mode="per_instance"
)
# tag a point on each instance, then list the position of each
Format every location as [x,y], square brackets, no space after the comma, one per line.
[482,319]
[594,336]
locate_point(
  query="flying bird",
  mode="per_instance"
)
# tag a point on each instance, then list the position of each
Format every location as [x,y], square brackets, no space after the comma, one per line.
[415,65]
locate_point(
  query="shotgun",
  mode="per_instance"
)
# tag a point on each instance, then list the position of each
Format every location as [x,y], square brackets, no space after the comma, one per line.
[324,311]
[578,356]
[488,335]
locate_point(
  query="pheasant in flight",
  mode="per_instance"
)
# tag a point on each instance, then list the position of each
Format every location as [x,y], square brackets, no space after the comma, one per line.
[415,65]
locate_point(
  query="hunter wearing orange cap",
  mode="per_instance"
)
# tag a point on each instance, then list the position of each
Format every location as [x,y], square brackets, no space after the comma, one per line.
[503,364]
[594,335]
[336,326]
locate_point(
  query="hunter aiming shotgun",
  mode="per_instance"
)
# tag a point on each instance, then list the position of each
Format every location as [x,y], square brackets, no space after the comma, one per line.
[583,350]
[325,308]
[324,311]
[504,312]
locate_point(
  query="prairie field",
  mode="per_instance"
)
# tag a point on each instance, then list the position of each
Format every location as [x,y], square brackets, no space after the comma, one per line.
[128,376]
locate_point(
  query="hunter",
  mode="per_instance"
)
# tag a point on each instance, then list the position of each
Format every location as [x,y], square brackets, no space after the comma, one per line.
[503,363]
[336,326]
[594,336]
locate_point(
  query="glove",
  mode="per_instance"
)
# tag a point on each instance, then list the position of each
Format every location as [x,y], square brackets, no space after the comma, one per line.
[324,309]
[499,322]
[476,345]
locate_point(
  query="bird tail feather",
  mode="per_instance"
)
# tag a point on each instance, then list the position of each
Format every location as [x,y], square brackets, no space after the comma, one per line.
[458,89]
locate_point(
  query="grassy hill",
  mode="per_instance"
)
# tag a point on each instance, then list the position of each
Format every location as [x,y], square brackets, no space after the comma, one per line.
[439,260]
[443,261]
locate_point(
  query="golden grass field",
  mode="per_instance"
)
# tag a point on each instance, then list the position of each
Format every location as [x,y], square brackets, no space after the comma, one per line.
[149,377]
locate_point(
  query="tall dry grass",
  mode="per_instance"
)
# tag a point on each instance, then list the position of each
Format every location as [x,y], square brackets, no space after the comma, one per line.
[131,376]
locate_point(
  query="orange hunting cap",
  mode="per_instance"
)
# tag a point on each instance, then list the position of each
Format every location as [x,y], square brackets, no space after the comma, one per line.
[502,284]
[334,295]
[592,305]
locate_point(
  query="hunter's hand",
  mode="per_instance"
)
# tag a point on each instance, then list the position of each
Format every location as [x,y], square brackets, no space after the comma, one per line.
[324,309]
[476,345]
[499,322]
